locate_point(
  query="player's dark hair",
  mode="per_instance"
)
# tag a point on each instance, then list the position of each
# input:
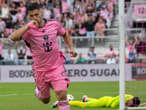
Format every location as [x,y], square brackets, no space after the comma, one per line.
[33,6]
[136,101]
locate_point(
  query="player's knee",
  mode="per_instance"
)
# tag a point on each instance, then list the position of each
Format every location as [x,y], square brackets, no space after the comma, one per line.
[61,95]
[45,101]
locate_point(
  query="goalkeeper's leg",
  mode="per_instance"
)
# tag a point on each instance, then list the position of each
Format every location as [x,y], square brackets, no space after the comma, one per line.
[89,104]
[87,99]
[91,99]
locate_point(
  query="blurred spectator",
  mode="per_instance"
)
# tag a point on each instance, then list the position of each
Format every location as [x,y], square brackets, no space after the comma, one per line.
[111,52]
[4,11]
[104,13]
[13,9]
[131,46]
[111,56]
[140,46]
[111,59]
[22,9]
[82,29]
[2,25]
[67,56]
[102,3]
[91,53]
[46,13]
[68,23]
[90,24]
[9,56]
[57,11]
[21,56]
[65,7]
[81,59]
[110,5]
[100,28]
[17,2]
[90,8]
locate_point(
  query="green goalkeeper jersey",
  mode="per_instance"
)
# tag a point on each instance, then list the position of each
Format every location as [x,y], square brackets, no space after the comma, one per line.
[112,102]
[105,101]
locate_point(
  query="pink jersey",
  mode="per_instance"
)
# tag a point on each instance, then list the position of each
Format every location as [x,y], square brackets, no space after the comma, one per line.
[43,43]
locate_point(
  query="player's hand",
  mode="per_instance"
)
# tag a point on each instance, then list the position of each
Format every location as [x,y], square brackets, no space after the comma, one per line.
[73,53]
[33,24]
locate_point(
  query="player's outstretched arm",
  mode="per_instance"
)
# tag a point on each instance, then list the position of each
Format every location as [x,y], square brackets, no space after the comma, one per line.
[68,41]
[16,35]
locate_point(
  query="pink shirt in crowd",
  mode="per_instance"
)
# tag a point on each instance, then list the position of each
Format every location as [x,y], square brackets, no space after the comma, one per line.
[44,46]
[57,12]
[82,31]
[81,18]
[110,7]
[100,28]
[104,13]
[22,10]
[131,48]
[19,16]
[65,7]
[110,52]
[114,1]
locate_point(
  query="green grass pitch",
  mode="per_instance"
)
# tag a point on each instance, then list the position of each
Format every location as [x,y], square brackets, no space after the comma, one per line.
[20,96]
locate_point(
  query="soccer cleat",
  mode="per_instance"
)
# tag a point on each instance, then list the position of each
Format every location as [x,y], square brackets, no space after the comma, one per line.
[84,98]
[55,105]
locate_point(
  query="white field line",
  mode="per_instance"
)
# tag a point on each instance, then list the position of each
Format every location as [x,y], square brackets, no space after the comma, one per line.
[7,95]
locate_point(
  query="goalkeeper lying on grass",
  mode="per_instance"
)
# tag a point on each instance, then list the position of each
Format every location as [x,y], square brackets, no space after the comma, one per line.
[106,101]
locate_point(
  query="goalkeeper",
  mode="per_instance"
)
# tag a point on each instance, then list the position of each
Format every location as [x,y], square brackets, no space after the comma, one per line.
[106,101]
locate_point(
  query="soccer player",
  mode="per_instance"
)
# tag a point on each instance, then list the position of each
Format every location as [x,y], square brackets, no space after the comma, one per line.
[41,37]
[106,101]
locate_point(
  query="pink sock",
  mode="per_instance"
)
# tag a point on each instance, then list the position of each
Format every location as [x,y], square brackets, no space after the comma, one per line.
[63,105]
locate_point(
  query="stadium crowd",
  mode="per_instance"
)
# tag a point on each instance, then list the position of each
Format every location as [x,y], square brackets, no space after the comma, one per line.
[79,17]
[86,18]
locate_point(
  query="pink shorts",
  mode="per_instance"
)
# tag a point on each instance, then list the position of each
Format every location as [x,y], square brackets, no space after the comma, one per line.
[56,79]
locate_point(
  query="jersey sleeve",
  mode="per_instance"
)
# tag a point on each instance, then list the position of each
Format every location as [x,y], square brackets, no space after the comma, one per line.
[61,30]
[26,36]
[115,102]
